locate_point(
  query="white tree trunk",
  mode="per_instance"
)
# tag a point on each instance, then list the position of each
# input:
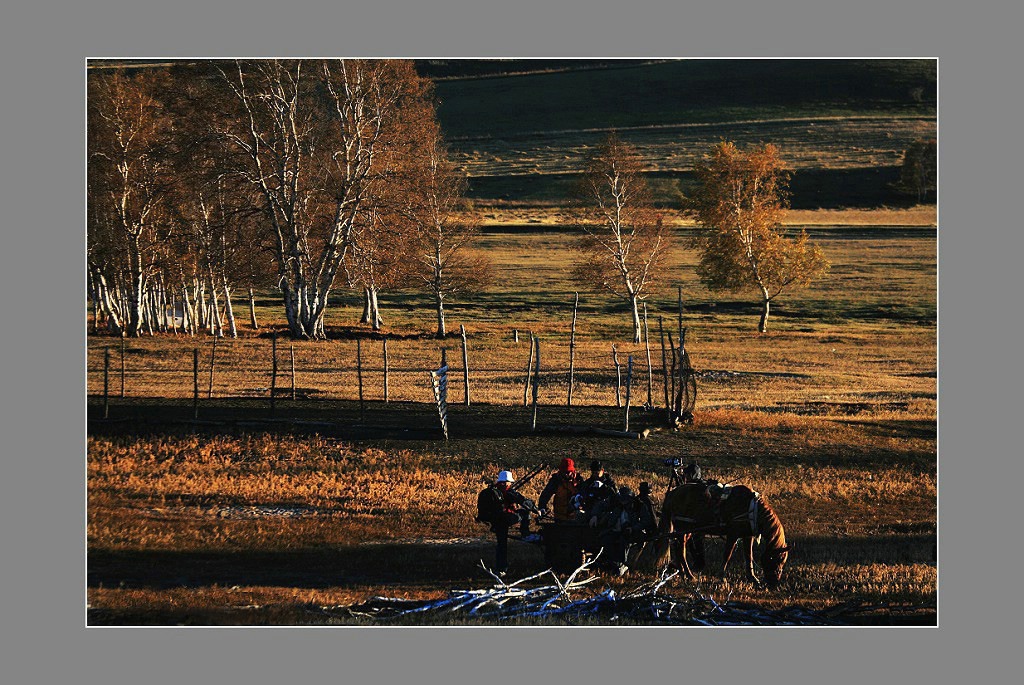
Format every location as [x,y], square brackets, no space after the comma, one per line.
[762,325]
[149,310]
[365,318]
[199,295]
[229,312]
[138,289]
[109,303]
[441,330]
[252,311]
[376,319]
[637,325]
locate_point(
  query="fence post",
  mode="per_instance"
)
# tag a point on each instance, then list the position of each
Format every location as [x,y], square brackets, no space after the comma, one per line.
[122,363]
[385,369]
[292,351]
[106,382]
[672,406]
[195,382]
[572,349]
[536,381]
[465,364]
[629,387]
[529,370]
[213,361]
[273,371]
[650,373]
[618,377]
[664,368]
[515,336]
[359,373]
[680,295]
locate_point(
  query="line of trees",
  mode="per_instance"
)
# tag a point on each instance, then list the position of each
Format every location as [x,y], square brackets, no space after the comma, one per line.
[739,203]
[285,173]
[303,175]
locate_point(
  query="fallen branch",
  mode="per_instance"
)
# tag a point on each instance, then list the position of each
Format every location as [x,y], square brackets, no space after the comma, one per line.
[573,599]
[585,430]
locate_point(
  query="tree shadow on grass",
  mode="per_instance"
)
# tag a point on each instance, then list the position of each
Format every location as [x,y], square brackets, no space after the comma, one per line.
[439,565]
[430,565]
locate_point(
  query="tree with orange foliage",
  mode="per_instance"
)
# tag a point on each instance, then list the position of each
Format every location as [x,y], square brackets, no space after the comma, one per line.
[625,240]
[740,203]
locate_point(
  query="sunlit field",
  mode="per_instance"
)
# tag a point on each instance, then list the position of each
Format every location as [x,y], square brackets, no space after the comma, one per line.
[831,416]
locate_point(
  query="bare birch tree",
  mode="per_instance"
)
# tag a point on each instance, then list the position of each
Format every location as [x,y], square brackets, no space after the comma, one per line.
[306,135]
[625,240]
[129,174]
[446,267]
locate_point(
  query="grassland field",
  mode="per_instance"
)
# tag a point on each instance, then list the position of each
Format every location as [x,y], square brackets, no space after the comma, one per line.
[253,516]
[832,416]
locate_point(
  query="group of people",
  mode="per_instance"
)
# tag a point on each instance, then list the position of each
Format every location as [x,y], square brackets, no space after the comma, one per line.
[619,516]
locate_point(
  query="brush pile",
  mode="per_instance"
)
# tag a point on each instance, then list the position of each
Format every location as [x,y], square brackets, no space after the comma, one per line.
[576,600]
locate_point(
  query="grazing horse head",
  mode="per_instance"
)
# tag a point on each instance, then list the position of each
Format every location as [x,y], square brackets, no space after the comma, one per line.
[772,563]
[776,552]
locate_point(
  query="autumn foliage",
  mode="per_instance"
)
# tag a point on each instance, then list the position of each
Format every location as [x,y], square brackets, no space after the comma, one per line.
[740,204]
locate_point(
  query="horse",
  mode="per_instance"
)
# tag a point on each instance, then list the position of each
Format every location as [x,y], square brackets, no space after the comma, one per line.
[742,514]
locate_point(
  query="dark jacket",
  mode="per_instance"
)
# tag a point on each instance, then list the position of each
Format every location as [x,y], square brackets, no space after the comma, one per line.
[648,514]
[592,493]
[498,507]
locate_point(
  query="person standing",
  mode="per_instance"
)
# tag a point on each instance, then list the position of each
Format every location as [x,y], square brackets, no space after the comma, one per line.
[562,487]
[648,510]
[712,490]
[597,487]
[502,507]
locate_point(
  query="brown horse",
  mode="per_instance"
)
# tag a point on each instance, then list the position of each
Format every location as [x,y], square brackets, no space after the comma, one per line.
[742,515]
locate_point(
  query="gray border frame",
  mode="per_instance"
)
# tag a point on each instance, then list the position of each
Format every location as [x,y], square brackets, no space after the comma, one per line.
[44,47]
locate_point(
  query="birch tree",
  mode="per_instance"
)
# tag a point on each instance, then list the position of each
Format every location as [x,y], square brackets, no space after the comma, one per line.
[377,128]
[129,174]
[306,135]
[740,204]
[445,265]
[380,250]
[625,240]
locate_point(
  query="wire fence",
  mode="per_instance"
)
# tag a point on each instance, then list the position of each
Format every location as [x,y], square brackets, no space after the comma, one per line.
[495,372]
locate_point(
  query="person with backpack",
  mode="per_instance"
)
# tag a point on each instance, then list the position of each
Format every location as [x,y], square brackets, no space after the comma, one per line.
[501,507]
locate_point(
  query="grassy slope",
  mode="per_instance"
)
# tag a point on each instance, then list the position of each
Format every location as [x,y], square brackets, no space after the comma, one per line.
[522,136]
[687,91]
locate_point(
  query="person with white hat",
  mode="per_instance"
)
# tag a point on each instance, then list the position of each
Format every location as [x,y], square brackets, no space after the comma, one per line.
[501,506]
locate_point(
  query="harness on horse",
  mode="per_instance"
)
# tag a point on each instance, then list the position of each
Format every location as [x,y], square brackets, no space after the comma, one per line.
[723,493]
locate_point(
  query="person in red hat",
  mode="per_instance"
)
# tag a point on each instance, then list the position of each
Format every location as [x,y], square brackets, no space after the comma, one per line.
[562,487]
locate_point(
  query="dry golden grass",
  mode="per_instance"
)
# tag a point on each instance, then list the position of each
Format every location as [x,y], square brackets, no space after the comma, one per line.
[920,215]
[861,534]
[832,416]
[826,143]
[865,335]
